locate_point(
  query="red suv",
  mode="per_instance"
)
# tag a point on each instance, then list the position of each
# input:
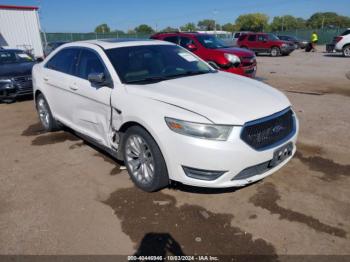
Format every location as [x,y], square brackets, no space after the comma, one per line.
[211,49]
[265,43]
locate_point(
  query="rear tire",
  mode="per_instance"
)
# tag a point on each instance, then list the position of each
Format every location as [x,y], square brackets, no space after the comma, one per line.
[144,160]
[346,51]
[275,51]
[47,120]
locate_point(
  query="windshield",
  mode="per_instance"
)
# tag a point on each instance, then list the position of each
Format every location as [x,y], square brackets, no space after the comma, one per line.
[273,37]
[211,42]
[152,63]
[10,57]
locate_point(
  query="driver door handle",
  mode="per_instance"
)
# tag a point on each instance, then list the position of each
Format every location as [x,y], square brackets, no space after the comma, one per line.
[73,88]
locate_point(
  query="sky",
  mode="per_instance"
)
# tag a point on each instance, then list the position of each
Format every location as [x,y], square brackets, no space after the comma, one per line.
[84,16]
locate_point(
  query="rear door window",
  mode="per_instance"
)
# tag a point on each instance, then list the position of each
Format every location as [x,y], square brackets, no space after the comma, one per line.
[64,61]
[89,62]
[251,38]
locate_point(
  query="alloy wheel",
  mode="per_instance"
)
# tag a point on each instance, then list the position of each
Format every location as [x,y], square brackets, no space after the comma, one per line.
[44,113]
[139,159]
[347,51]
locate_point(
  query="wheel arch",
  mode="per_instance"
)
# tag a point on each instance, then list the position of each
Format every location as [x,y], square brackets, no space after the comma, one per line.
[36,94]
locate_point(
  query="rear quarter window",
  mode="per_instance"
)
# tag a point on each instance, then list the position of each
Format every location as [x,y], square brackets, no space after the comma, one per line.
[172,39]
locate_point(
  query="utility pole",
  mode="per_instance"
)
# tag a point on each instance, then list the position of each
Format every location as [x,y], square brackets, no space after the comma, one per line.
[215,12]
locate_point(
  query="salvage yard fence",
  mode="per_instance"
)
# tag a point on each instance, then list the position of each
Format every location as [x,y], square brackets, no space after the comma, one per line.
[325,35]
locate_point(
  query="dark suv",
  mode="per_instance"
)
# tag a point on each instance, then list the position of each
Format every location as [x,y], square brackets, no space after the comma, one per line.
[15,74]
[265,43]
[213,50]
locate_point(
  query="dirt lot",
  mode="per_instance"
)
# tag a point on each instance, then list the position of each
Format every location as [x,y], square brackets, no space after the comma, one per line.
[59,195]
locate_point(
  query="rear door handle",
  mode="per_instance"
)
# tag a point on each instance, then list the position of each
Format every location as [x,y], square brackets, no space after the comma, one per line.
[46,78]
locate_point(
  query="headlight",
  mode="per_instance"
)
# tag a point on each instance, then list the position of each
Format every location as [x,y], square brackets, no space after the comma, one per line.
[6,83]
[5,80]
[284,45]
[205,131]
[233,59]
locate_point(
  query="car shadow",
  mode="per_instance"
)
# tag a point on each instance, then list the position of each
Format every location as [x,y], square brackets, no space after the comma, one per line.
[159,244]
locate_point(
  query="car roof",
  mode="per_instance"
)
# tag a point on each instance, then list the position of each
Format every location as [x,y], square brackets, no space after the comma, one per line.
[181,33]
[120,42]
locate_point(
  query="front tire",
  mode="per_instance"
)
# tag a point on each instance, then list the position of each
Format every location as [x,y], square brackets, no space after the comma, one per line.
[144,160]
[275,51]
[346,51]
[47,121]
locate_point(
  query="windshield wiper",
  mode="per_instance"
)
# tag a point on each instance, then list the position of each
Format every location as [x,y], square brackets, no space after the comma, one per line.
[151,79]
[189,73]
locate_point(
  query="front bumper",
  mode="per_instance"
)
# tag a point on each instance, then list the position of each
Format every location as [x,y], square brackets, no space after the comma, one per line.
[232,156]
[18,89]
[248,71]
[287,50]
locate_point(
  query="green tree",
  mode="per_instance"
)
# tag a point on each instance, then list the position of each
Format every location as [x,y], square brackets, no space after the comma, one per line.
[287,22]
[206,25]
[102,28]
[144,29]
[328,19]
[170,29]
[252,22]
[228,27]
[189,27]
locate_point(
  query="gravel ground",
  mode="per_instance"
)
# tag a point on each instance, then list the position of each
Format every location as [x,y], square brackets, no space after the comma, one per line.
[59,195]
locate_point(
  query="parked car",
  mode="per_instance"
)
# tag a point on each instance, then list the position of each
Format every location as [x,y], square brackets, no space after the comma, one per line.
[342,43]
[213,50]
[299,43]
[166,113]
[265,43]
[15,74]
[236,36]
[52,46]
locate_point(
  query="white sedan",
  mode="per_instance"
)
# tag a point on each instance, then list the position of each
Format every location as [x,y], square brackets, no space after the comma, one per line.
[166,113]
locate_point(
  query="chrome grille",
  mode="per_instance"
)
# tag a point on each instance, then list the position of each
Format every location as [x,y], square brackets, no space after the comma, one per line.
[269,131]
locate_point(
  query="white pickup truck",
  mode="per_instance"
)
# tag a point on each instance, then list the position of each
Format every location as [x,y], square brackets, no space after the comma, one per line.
[342,43]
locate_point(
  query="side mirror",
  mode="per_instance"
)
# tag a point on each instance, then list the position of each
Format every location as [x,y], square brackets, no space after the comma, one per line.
[191,47]
[97,78]
[213,65]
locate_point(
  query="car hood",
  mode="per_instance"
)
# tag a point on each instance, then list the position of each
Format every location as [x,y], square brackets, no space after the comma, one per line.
[241,52]
[16,69]
[221,97]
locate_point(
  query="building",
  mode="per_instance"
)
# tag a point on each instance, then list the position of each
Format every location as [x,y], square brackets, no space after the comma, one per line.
[20,29]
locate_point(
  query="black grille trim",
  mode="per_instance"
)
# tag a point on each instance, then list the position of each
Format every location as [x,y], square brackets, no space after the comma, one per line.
[261,134]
